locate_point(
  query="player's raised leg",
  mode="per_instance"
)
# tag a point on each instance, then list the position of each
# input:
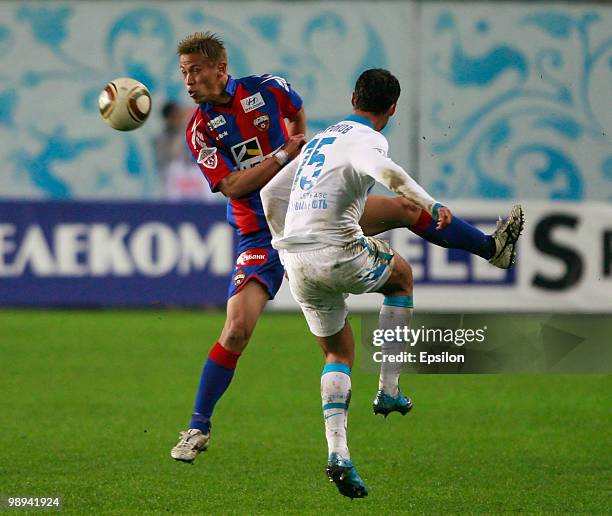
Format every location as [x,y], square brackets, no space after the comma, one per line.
[339,352]
[384,213]
[243,310]
[396,311]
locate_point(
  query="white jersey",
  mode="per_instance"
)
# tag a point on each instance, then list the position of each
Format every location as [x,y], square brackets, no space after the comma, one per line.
[332,178]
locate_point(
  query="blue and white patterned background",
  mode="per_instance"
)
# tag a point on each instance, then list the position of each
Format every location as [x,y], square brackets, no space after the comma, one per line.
[517,101]
[55,57]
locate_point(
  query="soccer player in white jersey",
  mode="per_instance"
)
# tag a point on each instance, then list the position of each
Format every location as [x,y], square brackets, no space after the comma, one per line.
[327,256]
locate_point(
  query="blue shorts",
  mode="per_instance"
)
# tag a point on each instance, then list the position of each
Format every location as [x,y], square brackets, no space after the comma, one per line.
[256,260]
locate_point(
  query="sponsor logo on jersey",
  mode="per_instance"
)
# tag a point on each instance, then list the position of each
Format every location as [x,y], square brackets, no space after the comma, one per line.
[220,136]
[208,157]
[239,278]
[252,257]
[248,153]
[197,138]
[216,122]
[253,102]
[262,122]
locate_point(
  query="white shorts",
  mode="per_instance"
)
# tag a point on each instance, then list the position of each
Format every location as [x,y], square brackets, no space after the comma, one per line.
[321,280]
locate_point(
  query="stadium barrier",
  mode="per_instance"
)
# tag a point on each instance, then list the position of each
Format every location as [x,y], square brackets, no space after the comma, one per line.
[165,254]
[113,254]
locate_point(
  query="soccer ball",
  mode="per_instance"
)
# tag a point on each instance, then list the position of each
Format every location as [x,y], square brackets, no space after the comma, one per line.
[124,104]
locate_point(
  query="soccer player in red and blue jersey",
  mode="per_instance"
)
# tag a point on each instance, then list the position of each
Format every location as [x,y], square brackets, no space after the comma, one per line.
[241,135]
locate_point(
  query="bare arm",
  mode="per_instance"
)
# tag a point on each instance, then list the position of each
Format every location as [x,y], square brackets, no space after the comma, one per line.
[297,124]
[242,182]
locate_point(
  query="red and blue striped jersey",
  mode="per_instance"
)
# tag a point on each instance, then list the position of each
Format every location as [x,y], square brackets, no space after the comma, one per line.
[241,134]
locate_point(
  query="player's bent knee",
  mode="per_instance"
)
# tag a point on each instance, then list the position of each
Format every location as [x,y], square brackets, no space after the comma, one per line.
[410,211]
[406,280]
[400,281]
[236,334]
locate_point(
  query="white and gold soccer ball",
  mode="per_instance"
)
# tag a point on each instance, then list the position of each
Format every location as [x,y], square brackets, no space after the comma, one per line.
[124,104]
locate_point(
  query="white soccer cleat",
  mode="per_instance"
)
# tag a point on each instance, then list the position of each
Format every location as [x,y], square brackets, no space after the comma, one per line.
[192,442]
[506,236]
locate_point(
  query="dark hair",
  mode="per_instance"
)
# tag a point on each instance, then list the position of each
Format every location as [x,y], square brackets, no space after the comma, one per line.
[206,43]
[376,90]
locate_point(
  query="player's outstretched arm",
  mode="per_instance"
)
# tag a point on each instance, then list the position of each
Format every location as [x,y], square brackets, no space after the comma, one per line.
[243,182]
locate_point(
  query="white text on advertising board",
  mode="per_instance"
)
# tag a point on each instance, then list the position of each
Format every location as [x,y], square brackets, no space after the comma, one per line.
[151,249]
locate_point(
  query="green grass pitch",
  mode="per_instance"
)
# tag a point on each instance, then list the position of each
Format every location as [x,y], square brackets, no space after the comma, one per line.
[92,402]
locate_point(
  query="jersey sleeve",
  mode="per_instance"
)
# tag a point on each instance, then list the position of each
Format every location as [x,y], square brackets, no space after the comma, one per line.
[213,161]
[275,198]
[288,99]
[370,158]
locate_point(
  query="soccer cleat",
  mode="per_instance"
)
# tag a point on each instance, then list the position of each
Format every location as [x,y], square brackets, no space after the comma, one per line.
[341,472]
[192,442]
[385,404]
[506,235]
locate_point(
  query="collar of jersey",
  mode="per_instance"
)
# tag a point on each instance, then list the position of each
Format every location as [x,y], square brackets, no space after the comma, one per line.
[230,87]
[360,119]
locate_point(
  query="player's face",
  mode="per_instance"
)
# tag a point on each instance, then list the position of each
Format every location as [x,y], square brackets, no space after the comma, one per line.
[203,79]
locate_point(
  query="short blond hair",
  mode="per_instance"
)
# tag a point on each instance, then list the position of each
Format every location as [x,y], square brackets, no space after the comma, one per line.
[206,43]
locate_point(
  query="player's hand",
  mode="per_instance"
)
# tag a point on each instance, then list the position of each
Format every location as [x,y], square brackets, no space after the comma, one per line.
[294,145]
[445,217]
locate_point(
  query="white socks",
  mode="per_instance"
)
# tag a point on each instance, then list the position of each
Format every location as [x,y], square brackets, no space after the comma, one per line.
[395,311]
[336,396]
